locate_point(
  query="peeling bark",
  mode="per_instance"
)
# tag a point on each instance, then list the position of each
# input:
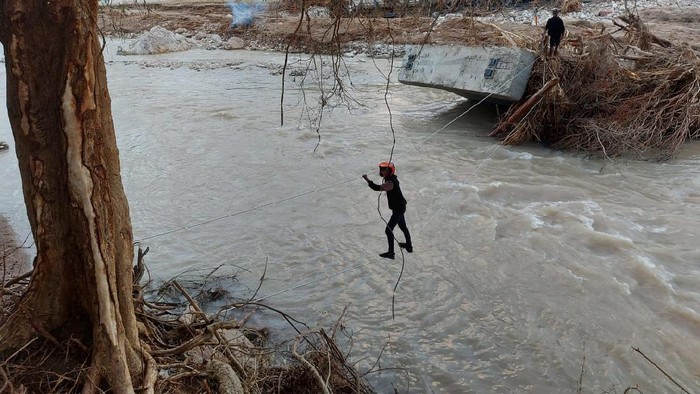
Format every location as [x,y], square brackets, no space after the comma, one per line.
[60,112]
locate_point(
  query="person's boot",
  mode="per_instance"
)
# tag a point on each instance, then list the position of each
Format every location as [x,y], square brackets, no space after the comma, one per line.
[387,255]
[408,247]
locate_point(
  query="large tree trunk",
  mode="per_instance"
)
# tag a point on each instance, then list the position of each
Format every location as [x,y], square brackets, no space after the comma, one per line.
[59,109]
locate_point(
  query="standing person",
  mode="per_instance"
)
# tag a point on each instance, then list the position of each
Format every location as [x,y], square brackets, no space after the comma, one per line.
[397,204]
[555,29]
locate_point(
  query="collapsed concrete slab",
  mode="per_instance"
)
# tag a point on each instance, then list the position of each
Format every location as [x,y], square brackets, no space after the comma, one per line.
[494,74]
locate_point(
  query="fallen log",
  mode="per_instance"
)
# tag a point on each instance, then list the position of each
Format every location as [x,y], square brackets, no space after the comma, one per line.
[525,107]
[504,34]
[631,20]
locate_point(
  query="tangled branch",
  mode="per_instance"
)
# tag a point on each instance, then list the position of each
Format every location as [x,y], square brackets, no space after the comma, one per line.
[635,96]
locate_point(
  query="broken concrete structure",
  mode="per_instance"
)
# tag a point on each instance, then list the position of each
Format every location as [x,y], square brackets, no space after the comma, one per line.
[493,74]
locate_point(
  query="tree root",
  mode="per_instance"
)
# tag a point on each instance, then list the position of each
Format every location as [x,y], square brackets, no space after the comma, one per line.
[229,383]
[150,375]
[92,381]
[321,382]
[168,363]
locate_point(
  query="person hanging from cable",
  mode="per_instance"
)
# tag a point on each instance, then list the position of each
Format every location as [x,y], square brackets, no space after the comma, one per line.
[397,205]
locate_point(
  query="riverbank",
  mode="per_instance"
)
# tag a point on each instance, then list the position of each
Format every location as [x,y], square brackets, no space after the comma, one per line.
[628,41]
[211,24]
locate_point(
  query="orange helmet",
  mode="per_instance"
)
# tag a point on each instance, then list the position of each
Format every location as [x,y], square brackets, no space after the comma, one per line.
[390,166]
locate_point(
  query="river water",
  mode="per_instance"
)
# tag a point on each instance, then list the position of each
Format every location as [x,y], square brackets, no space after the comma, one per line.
[529,264]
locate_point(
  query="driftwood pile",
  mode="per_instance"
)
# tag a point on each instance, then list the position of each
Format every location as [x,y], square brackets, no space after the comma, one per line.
[195,351]
[566,6]
[635,96]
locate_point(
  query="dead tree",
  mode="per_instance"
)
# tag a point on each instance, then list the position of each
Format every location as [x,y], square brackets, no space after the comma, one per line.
[60,111]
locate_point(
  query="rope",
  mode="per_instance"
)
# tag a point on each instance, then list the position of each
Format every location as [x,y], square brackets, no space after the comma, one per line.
[347,180]
[328,276]
[391,156]
[247,210]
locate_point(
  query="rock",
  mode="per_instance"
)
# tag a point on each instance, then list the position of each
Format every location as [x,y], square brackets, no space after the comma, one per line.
[203,354]
[242,348]
[213,26]
[189,316]
[213,41]
[234,43]
[157,40]
[319,12]
[591,11]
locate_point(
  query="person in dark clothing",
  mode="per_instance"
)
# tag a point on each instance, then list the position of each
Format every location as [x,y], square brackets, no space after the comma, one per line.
[555,29]
[397,204]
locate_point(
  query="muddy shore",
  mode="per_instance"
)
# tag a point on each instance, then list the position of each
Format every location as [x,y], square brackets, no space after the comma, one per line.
[211,24]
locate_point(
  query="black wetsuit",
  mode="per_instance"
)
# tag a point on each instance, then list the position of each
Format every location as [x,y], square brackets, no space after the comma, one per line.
[555,29]
[397,204]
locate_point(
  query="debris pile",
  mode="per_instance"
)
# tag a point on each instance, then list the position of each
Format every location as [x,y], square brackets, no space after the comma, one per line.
[633,96]
[588,11]
[195,350]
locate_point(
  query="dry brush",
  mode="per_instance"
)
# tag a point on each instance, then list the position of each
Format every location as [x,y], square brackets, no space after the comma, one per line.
[633,96]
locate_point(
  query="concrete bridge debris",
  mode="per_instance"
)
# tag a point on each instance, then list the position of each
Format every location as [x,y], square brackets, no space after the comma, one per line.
[495,74]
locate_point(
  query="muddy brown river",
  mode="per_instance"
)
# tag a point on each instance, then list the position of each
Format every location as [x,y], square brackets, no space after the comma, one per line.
[528,263]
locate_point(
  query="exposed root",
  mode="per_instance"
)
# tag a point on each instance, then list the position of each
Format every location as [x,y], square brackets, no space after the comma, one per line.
[322,383]
[229,383]
[186,350]
[322,368]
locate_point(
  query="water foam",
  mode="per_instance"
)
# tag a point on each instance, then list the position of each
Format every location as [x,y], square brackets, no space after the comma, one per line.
[654,274]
